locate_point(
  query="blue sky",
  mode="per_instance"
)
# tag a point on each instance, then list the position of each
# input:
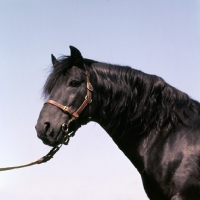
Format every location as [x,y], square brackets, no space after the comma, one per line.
[157,37]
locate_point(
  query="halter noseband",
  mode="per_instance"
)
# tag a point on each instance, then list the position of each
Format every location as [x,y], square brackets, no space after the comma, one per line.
[74,114]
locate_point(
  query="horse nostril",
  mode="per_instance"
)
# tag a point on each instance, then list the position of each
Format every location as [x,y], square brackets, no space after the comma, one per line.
[46,126]
[47,130]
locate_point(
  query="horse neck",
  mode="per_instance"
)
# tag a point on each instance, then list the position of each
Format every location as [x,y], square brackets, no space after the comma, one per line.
[134,107]
[117,100]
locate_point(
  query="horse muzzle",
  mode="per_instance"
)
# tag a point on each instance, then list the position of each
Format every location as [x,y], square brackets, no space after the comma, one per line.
[51,137]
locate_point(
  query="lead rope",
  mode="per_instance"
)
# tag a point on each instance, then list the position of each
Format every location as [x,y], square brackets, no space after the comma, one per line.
[39,161]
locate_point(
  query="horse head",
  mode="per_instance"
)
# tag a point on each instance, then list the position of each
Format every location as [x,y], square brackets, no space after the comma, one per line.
[69,93]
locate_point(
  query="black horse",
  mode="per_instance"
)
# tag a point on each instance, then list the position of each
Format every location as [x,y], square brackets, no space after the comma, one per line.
[154,124]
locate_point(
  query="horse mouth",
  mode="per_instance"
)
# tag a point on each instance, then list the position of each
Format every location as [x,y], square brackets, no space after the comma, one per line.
[61,137]
[51,137]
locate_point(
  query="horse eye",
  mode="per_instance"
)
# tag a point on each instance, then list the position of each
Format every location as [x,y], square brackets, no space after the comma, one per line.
[74,83]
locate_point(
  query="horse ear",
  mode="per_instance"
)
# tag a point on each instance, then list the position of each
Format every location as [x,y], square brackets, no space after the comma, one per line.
[53,59]
[76,55]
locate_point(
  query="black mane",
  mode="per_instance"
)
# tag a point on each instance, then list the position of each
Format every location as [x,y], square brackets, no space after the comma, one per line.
[139,99]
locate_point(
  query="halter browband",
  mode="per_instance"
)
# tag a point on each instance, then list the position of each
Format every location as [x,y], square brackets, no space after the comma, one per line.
[75,114]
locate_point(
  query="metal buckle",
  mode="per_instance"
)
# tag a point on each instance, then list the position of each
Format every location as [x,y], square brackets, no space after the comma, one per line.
[65,109]
[89,86]
[86,98]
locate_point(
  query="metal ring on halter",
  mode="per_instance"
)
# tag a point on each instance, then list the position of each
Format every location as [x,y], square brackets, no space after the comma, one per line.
[65,127]
[66,136]
[66,140]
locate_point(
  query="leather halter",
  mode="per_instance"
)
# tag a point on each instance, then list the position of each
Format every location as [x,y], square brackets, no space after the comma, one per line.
[75,114]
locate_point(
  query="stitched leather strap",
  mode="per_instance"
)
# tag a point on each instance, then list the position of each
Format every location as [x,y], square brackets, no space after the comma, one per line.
[65,109]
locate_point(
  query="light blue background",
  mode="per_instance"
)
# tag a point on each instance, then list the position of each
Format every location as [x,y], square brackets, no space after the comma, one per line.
[160,37]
